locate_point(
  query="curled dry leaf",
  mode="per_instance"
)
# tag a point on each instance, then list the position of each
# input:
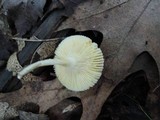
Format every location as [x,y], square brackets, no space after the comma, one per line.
[150,67]
[125,101]
[67,109]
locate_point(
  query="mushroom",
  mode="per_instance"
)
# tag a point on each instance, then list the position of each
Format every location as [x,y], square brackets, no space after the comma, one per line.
[78,63]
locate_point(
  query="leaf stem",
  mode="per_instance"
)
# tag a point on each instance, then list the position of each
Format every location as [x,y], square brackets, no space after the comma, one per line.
[37,40]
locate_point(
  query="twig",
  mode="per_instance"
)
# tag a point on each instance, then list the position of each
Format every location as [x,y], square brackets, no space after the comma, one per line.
[36,39]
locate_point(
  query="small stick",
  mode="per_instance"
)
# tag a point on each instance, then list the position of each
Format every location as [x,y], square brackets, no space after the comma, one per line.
[36,39]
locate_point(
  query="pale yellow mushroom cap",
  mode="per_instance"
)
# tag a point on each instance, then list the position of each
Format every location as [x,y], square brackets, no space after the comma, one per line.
[83,63]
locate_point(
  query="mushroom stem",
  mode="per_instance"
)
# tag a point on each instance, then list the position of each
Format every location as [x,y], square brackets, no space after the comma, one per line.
[38,64]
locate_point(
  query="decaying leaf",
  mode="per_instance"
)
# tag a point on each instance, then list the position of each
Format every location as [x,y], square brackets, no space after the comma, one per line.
[146,62]
[23,13]
[67,5]
[30,116]
[7,47]
[126,102]
[7,112]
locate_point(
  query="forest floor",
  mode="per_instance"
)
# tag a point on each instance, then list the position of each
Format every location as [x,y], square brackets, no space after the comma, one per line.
[128,33]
